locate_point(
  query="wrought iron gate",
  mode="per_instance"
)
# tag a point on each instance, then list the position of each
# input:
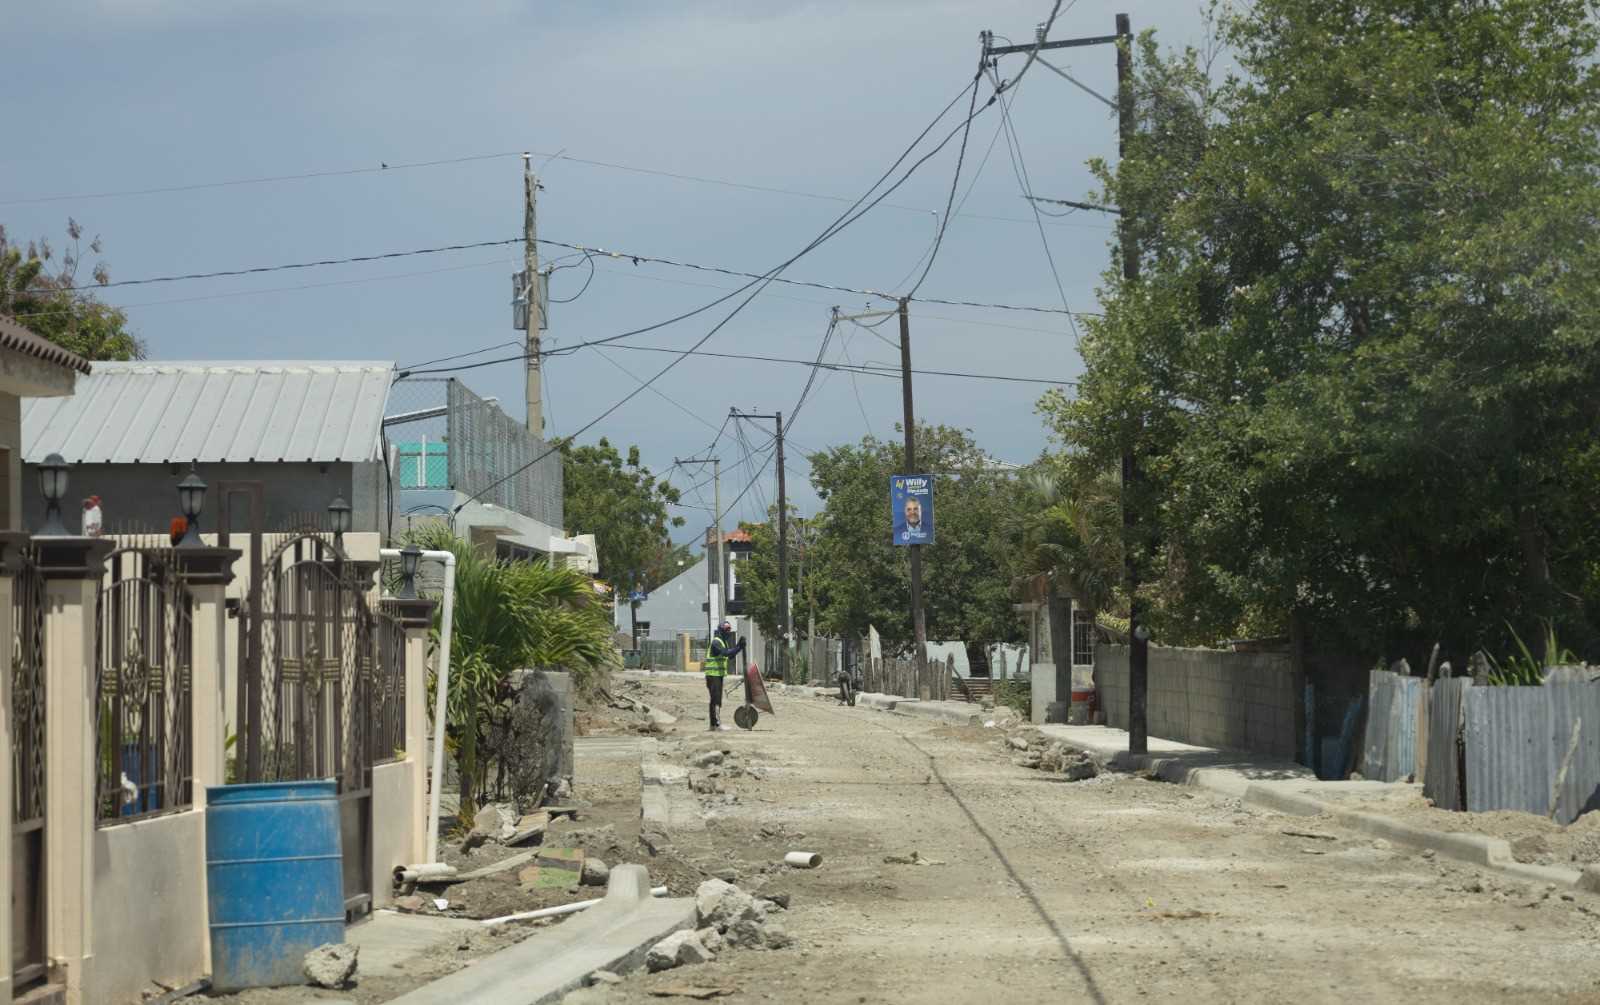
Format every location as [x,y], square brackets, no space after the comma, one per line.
[143,688]
[28,684]
[308,688]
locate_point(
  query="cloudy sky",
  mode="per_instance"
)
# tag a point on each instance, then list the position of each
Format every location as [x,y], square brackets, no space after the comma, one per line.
[814,99]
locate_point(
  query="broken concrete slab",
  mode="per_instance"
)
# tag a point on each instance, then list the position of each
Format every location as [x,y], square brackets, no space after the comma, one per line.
[614,935]
[677,950]
[955,713]
[331,966]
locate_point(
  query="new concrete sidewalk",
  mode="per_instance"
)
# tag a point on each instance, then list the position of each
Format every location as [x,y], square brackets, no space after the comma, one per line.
[955,713]
[1286,787]
[613,935]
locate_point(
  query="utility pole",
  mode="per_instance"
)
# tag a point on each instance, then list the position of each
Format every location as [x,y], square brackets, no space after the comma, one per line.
[716,562]
[919,626]
[1138,634]
[531,294]
[785,625]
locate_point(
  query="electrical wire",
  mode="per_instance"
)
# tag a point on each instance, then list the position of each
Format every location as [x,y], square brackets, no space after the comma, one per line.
[1020,168]
[955,183]
[464,355]
[258,181]
[844,220]
[656,391]
[567,300]
[306,265]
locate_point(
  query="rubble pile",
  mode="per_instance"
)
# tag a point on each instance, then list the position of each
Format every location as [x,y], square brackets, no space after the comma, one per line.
[1032,749]
[729,918]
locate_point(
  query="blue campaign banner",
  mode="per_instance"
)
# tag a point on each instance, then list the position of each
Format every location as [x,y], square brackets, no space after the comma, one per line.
[911,502]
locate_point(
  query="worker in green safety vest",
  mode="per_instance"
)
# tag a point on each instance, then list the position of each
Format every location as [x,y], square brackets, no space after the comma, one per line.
[723,649]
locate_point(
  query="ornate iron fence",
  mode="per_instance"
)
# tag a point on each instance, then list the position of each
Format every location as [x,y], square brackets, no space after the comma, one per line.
[28,751]
[387,683]
[143,688]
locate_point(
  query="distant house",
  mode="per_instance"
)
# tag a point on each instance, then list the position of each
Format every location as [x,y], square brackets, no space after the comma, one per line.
[307,432]
[30,368]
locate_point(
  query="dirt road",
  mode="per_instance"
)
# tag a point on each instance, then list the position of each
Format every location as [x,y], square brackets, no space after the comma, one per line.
[1113,889]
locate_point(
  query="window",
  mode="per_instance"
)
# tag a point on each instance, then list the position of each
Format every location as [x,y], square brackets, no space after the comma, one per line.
[1082,637]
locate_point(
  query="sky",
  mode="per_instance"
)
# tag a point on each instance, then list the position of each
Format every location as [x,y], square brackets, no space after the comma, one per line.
[746,99]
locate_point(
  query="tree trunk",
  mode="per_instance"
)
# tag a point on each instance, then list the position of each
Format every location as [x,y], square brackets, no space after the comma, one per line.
[1536,569]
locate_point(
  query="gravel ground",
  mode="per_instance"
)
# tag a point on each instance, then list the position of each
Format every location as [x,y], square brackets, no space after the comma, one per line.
[1108,890]
[1534,839]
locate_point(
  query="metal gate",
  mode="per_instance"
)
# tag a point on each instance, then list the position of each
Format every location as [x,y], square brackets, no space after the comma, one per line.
[308,688]
[28,683]
[143,688]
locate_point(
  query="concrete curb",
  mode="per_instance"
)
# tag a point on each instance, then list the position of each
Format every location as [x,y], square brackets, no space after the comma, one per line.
[882,702]
[614,935]
[661,675]
[1284,797]
[952,712]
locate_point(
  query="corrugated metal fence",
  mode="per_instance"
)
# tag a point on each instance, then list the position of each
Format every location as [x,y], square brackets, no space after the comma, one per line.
[1532,749]
[1393,703]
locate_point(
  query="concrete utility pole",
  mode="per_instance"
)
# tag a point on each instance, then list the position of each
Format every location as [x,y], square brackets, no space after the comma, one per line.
[1138,634]
[716,563]
[532,297]
[785,625]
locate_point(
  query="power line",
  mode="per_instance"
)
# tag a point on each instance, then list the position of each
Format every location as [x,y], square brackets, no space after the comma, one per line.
[844,220]
[305,265]
[383,167]
[1020,168]
[275,289]
[463,355]
[863,368]
[955,181]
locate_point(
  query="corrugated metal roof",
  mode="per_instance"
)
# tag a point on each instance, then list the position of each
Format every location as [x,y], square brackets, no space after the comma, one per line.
[14,336]
[171,412]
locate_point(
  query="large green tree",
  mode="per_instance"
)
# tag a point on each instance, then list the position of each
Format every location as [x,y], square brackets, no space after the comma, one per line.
[624,505]
[858,577]
[1360,364]
[41,288]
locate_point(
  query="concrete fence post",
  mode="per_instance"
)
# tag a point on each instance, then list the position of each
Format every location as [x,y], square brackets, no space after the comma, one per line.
[71,568]
[416,617]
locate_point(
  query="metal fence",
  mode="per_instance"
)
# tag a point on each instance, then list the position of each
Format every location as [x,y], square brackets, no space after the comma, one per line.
[444,439]
[1535,749]
[1394,717]
[495,459]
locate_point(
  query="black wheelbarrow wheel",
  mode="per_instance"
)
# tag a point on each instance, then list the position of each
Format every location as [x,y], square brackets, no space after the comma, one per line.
[745,716]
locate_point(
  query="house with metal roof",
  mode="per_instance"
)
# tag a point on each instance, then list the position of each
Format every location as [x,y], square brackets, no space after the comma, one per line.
[304,432]
[34,368]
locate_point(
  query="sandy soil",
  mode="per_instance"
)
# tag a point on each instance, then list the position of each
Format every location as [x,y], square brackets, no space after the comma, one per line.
[1113,889]
[1534,839]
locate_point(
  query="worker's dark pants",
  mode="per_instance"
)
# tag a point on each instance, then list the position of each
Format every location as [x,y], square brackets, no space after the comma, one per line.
[714,685]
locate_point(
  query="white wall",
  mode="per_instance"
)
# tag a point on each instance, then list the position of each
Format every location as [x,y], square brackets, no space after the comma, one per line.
[149,912]
[393,816]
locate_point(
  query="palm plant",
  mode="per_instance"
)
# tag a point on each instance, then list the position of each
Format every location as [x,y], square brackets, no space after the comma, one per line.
[1071,532]
[1522,668]
[509,616]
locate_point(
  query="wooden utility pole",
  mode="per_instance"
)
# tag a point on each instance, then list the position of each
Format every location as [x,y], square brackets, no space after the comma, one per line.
[785,625]
[1138,633]
[531,294]
[919,627]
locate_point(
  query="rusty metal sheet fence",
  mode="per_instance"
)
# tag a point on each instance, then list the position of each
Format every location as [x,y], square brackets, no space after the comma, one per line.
[143,688]
[1442,780]
[1390,748]
[1534,749]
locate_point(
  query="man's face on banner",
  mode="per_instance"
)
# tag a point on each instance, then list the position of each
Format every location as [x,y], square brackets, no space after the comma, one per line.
[913,513]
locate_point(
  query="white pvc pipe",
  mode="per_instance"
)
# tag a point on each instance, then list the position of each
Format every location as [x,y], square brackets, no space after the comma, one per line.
[441,698]
[555,912]
[803,859]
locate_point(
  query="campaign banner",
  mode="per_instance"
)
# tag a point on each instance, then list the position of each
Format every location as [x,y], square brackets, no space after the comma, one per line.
[911,503]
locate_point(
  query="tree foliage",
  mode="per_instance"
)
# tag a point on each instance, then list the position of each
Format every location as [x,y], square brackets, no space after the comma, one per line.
[1360,365]
[41,289]
[509,616]
[625,506]
[858,577]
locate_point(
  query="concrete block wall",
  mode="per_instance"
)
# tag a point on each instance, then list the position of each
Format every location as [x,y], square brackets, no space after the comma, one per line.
[1209,697]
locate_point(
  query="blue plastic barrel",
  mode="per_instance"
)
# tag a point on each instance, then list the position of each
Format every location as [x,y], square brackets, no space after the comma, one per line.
[275,879]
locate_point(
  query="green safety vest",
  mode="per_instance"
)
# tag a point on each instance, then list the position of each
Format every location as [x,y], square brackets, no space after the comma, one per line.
[716,664]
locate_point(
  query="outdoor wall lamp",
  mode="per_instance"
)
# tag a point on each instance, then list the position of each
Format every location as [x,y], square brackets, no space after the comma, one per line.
[53,485]
[339,513]
[410,555]
[191,499]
